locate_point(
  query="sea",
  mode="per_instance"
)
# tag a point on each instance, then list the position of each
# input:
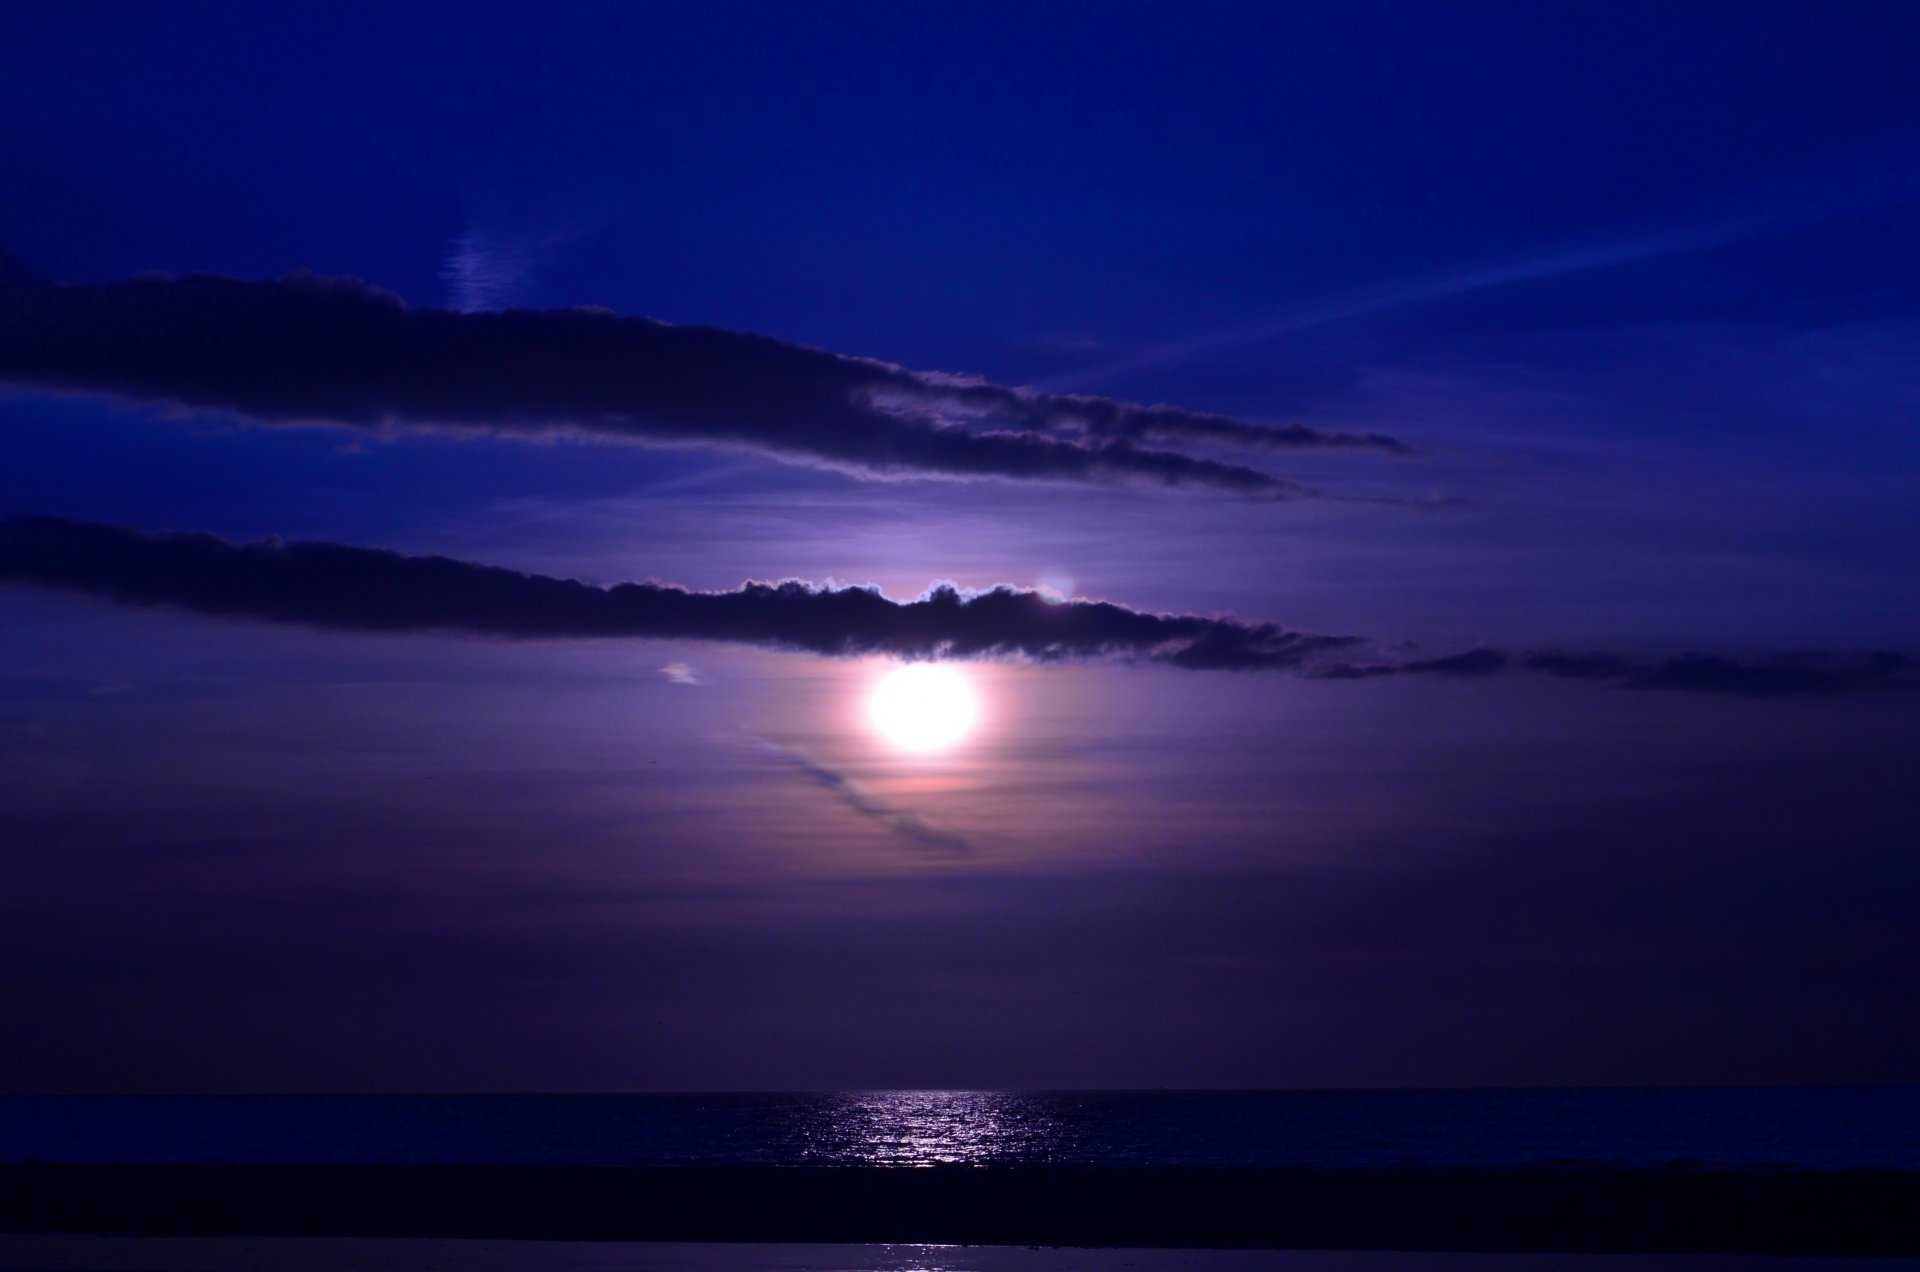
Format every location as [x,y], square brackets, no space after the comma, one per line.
[1815,1128]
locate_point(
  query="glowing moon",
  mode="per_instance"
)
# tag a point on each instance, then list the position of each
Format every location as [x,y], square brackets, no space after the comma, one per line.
[923,706]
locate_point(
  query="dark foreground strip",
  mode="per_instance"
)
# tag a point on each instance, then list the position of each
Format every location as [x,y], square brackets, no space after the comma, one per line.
[1543,1209]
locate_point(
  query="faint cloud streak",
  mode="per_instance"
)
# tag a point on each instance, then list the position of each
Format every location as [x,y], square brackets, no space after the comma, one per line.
[907,826]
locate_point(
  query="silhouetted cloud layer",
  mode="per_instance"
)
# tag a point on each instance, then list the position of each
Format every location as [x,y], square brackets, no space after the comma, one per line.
[1096,417]
[1782,676]
[368,589]
[305,349]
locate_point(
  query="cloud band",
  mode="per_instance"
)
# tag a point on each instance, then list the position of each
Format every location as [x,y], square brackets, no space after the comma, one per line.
[311,350]
[373,590]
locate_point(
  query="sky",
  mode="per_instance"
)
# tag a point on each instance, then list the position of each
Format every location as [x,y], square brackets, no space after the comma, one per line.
[1423,496]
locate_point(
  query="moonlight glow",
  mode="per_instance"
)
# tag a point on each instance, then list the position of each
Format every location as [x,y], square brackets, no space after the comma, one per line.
[923,706]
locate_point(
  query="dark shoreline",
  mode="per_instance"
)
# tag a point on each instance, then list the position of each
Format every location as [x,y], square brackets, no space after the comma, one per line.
[1566,1209]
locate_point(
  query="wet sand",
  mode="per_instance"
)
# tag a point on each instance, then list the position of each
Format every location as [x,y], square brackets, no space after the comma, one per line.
[410,1254]
[1570,1209]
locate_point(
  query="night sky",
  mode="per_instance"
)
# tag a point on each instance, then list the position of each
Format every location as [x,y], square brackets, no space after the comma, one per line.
[1425,497]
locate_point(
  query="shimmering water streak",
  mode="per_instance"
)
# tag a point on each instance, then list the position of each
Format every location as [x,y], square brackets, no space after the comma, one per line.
[931,1128]
[1806,1127]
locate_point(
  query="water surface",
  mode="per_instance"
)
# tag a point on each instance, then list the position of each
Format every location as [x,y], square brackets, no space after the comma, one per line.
[1819,1128]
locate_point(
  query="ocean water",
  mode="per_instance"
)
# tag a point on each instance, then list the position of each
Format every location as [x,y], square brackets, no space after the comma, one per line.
[1807,1128]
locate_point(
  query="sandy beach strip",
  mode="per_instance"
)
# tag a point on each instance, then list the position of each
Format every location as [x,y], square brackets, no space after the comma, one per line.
[1569,1209]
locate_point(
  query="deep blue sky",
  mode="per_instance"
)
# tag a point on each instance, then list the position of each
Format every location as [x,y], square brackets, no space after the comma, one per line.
[1640,281]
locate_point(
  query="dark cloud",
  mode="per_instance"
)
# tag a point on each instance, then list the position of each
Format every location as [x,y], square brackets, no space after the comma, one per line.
[369,589]
[1782,676]
[14,272]
[1584,665]
[909,826]
[1097,417]
[1474,662]
[364,589]
[306,349]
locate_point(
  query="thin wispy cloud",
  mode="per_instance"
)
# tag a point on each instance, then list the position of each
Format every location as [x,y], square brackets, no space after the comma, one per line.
[1857,185]
[485,271]
[1795,675]
[908,826]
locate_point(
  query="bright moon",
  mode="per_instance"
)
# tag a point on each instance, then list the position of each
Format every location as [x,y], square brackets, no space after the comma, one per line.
[923,706]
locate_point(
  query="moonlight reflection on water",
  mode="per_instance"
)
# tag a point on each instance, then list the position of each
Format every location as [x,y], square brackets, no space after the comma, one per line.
[933,1128]
[1809,1127]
